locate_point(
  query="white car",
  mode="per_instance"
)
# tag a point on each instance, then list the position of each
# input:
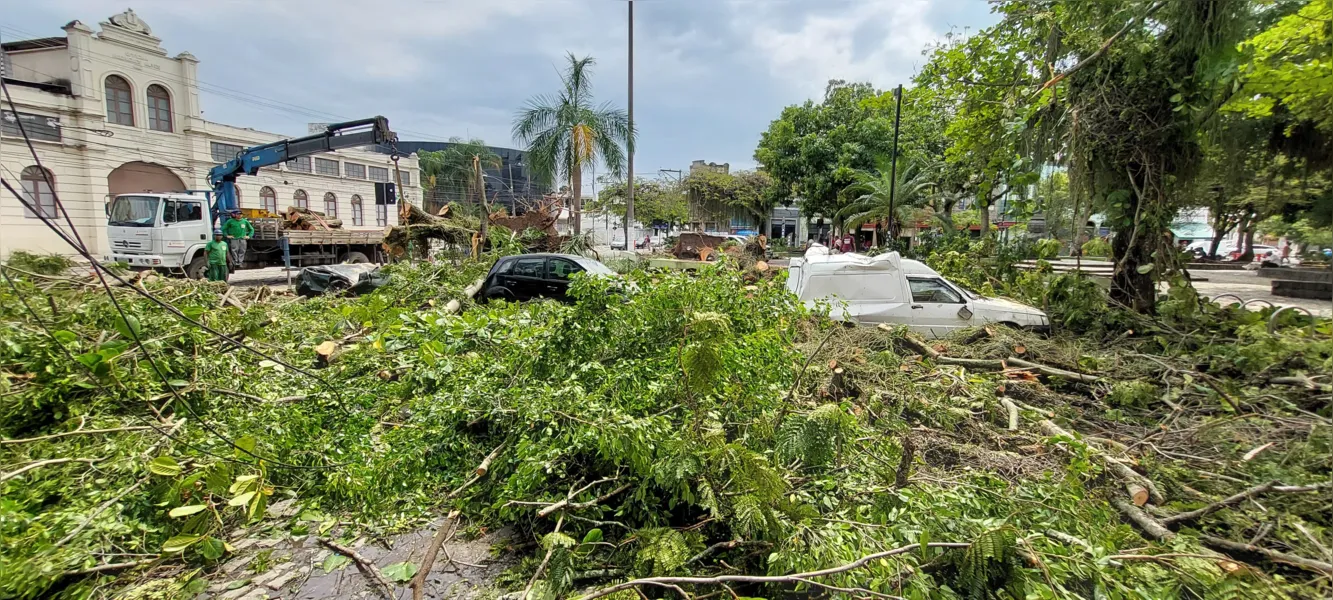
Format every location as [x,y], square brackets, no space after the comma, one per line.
[890,289]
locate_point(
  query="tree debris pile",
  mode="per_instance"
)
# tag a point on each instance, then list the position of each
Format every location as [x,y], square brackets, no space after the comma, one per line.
[686,434]
[419,228]
[306,220]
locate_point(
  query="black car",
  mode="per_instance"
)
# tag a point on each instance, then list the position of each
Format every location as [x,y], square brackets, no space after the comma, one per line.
[528,276]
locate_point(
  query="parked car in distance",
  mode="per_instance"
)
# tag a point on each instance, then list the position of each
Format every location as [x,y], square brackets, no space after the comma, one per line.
[528,276]
[890,289]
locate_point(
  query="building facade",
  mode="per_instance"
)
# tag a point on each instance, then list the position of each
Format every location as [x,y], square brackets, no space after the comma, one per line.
[511,186]
[110,112]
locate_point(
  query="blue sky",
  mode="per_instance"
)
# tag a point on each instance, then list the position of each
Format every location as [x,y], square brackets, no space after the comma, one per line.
[710,75]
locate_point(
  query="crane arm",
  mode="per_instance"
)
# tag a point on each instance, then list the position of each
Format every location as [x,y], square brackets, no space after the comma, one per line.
[222,178]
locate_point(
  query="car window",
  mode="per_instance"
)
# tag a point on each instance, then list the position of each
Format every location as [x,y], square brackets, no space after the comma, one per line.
[190,211]
[528,267]
[504,267]
[558,268]
[932,290]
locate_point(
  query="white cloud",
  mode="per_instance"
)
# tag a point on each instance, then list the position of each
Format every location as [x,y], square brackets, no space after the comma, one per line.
[821,46]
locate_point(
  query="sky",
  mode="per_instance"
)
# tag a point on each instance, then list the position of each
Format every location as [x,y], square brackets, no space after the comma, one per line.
[710,75]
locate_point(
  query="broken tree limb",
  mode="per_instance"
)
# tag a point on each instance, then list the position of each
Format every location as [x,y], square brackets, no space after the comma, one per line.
[110,567]
[1304,382]
[44,463]
[372,572]
[792,578]
[545,561]
[468,293]
[723,546]
[1146,523]
[1013,412]
[1220,504]
[1052,371]
[1308,564]
[1120,469]
[925,350]
[75,432]
[478,473]
[445,531]
[566,504]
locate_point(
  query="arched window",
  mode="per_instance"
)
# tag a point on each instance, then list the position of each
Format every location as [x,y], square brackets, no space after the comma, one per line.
[37,184]
[119,101]
[358,217]
[330,205]
[159,108]
[301,200]
[268,199]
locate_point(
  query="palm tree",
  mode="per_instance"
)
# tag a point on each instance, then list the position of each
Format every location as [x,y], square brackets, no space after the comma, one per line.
[872,200]
[452,172]
[565,133]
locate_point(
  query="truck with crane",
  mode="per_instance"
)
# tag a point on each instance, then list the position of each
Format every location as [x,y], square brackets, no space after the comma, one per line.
[168,231]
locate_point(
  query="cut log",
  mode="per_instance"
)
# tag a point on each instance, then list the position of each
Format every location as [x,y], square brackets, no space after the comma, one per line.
[1052,371]
[1145,522]
[840,385]
[325,352]
[1125,473]
[1137,493]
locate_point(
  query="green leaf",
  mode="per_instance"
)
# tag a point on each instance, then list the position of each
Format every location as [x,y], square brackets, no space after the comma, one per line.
[242,499]
[593,536]
[180,383]
[165,466]
[334,562]
[212,548]
[185,511]
[1144,269]
[129,327]
[400,572]
[1177,97]
[238,584]
[180,542]
[65,336]
[245,446]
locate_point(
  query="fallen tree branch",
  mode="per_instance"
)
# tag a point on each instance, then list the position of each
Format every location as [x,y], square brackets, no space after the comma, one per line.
[1304,382]
[723,546]
[43,463]
[1052,371]
[478,473]
[1149,525]
[925,350]
[102,507]
[75,432]
[1129,476]
[445,531]
[110,567]
[1101,50]
[1013,412]
[1220,504]
[1308,564]
[545,560]
[567,505]
[468,292]
[793,578]
[372,572]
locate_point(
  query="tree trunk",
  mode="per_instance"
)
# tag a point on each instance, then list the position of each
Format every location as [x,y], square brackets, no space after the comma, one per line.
[985,220]
[1247,255]
[1132,247]
[576,199]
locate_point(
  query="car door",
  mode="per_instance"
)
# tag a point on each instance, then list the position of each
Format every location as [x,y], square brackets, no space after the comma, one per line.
[937,307]
[525,277]
[558,271]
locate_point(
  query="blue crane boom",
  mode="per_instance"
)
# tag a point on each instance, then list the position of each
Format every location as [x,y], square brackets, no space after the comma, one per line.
[222,178]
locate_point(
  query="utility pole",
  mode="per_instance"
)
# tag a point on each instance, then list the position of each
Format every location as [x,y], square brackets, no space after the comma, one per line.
[481,198]
[629,193]
[893,170]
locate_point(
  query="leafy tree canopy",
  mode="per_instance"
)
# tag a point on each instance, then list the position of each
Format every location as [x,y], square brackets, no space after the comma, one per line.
[654,201]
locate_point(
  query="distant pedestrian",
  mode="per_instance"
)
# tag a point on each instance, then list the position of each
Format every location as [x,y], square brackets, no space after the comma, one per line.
[1286,253]
[237,230]
[217,257]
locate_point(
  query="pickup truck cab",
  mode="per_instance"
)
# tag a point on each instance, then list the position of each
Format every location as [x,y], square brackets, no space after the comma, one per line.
[890,289]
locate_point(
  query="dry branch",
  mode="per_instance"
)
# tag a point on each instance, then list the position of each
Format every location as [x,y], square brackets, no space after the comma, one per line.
[793,578]
[723,546]
[567,505]
[1220,504]
[44,463]
[1308,564]
[1052,371]
[1130,476]
[443,533]
[1013,412]
[366,566]
[75,432]
[1146,522]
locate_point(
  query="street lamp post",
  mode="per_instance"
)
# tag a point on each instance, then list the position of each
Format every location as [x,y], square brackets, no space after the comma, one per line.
[629,193]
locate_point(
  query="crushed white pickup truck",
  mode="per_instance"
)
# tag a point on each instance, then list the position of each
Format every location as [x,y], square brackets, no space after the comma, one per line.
[887,288]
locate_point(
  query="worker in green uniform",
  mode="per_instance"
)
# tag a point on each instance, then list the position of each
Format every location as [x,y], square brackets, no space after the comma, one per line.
[237,229]
[217,257]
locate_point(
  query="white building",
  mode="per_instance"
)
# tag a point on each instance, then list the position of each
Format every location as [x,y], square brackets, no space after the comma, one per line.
[109,112]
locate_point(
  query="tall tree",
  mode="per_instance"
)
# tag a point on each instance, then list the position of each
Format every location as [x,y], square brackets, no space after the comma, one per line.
[450,174]
[654,201]
[871,195]
[753,191]
[566,133]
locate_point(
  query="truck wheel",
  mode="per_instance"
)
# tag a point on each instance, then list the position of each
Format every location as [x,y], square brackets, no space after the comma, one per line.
[355,258]
[197,267]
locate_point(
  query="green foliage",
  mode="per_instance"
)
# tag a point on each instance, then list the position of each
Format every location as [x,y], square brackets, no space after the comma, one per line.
[654,201]
[815,438]
[991,564]
[1132,394]
[1097,248]
[753,191]
[452,173]
[41,264]
[1047,249]
[662,551]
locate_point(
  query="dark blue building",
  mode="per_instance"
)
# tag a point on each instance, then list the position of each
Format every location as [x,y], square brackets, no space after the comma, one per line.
[511,186]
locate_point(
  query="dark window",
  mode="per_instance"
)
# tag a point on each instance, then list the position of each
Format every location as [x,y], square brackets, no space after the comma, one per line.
[559,268]
[223,152]
[159,108]
[38,127]
[330,205]
[301,200]
[37,187]
[324,166]
[933,290]
[354,170]
[379,174]
[358,216]
[268,199]
[300,165]
[407,177]
[529,267]
[381,214]
[119,101]
[182,211]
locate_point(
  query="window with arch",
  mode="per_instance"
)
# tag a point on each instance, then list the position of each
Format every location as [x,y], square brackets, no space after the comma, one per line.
[268,199]
[330,205]
[301,200]
[159,108]
[358,217]
[37,184]
[119,101]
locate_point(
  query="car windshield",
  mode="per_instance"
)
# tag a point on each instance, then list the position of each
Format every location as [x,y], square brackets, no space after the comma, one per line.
[133,211]
[594,267]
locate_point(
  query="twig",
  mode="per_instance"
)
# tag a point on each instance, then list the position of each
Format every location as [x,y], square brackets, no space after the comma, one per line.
[75,432]
[567,505]
[1273,555]
[478,473]
[722,546]
[1313,540]
[443,533]
[1220,504]
[367,567]
[793,578]
[44,463]
[799,374]
[110,567]
[105,505]
[545,560]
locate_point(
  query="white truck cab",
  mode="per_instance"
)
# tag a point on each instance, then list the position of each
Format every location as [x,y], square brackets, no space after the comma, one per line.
[890,289]
[160,231]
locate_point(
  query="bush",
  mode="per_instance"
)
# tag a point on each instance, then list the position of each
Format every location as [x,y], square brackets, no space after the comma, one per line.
[1047,249]
[1097,247]
[42,264]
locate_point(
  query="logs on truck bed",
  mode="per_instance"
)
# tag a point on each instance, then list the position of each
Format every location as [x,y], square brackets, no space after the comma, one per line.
[306,219]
